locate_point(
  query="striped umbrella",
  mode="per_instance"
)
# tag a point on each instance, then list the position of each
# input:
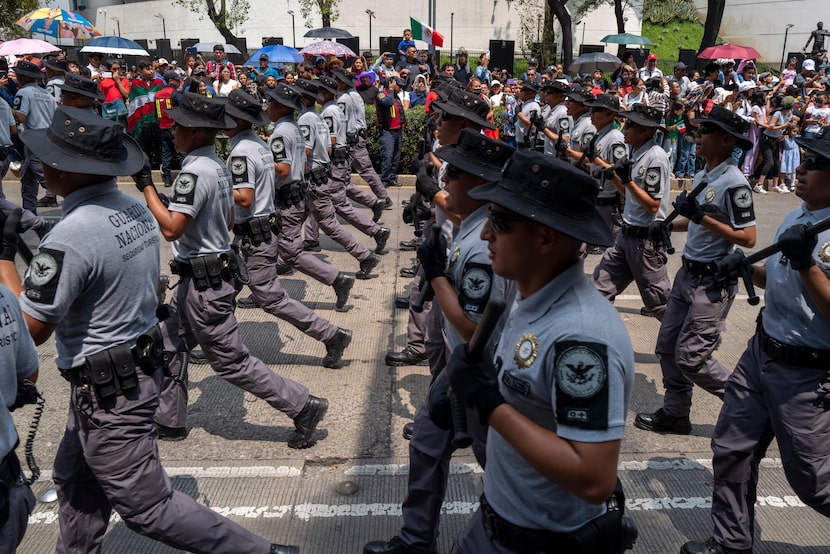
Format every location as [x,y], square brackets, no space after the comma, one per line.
[58,23]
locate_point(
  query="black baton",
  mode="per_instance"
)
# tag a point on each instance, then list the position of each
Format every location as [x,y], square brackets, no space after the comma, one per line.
[664,225]
[426,293]
[475,351]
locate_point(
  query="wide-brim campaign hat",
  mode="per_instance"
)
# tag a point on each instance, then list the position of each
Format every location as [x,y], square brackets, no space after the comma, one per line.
[344,76]
[819,145]
[477,154]
[580,94]
[606,101]
[28,69]
[729,123]
[329,84]
[645,116]
[81,85]
[56,65]
[465,104]
[195,110]
[286,95]
[308,88]
[80,141]
[551,192]
[556,86]
[530,85]
[243,106]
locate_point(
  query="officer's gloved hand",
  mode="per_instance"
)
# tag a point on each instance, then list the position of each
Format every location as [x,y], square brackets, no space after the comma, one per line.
[798,247]
[655,230]
[10,237]
[425,183]
[439,405]
[473,383]
[623,171]
[433,258]
[732,266]
[415,165]
[144,178]
[688,207]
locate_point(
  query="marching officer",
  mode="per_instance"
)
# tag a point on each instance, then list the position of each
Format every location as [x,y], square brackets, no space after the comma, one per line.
[255,224]
[555,392]
[530,112]
[781,385]
[197,223]
[93,284]
[636,255]
[557,119]
[699,303]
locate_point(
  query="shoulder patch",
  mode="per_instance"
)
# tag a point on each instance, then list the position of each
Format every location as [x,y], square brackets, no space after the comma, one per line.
[239,169]
[342,106]
[618,151]
[581,373]
[306,131]
[587,138]
[564,125]
[329,123]
[278,149]
[476,281]
[743,208]
[652,180]
[16,103]
[184,189]
[43,276]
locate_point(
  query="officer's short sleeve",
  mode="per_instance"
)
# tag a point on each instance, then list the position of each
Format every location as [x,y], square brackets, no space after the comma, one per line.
[15,334]
[21,103]
[740,206]
[241,168]
[56,276]
[189,194]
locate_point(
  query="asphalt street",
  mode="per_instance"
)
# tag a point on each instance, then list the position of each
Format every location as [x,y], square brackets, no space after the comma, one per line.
[347,490]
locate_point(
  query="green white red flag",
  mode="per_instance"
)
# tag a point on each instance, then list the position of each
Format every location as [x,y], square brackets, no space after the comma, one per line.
[425,33]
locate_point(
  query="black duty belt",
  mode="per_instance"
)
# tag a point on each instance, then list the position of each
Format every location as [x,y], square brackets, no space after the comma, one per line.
[208,270]
[609,200]
[634,231]
[257,228]
[522,539]
[699,268]
[793,355]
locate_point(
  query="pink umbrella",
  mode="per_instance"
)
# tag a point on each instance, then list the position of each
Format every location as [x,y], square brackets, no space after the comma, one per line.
[21,46]
[328,48]
[727,50]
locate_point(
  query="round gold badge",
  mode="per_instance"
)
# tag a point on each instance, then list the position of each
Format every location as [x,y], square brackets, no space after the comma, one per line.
[526,350]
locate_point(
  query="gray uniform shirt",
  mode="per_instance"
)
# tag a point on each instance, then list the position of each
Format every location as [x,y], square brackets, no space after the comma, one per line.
[53,87]
[288,147]
[335,120]
[565,361]
[203,190]
[528,109]
[96,273]
[36,104]
[650,172]
[316,136]
[558,121]
[347,106]
[611,147]
[791,316]
[583,132]
[359,108]
[728,199]
[470,271]
[18,360]
[6,121]
[252,167]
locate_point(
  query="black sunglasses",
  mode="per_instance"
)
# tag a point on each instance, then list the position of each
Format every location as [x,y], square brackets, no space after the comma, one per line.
[453,172]
[705,129]
[500,221]
[815,163]
[447,116]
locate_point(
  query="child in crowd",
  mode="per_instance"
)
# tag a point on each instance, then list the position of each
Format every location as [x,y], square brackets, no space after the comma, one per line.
[790,159]
[405,43]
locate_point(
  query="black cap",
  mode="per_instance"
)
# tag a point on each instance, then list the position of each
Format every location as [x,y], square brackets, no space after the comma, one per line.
[607,101]
[308,88]
[729,123]
[56,65]
[81,85]
[467,105]
[286,95]
[556,86]
[242,105]
[580,94]
[28,69]
[344,76]
[645,116]
[195,110]
[477,154]
[329,84]
[171,75]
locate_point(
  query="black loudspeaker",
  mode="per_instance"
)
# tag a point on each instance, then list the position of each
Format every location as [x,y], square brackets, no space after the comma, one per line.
[238,59]
[501,54]
[390,44]
[268,41]
[589,48]
[163,49]
[687,56]
[144,43]
[186,43]
[640,56]
[353,43]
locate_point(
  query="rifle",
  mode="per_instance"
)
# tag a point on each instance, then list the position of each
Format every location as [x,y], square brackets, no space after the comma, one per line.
[746,273]
[664,231]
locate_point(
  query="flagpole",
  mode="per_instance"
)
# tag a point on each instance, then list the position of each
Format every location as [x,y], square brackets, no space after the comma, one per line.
[431,19]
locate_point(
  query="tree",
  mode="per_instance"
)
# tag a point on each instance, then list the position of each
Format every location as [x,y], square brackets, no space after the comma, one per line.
[714,16]
[327,8]
[224,15]
[11,11]
[563,16]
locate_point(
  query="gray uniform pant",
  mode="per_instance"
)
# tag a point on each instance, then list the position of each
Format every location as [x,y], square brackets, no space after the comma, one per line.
[109,460]
[265,285]
[321,206]
[206,318]
[612,216]
[361,195]
[763,398]
[416,325]
[31,179]
[633,259]
[4,167]
[474,538]
[362,164]
[21,503]
[345,209]
[430,451]
[695,317]
[291,246]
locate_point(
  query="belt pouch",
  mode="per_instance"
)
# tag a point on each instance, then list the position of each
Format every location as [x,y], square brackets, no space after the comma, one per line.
[123,364]
[198,268]
[257,233]
[213,266]
[101,375]
[9,472]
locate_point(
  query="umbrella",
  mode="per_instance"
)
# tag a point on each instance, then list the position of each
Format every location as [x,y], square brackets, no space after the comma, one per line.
[277,53]
[328,48]
[21,46]
[58,23]
[586,63]
[328,33]
[208,47]
[729,51]
[115,46]
[627,38]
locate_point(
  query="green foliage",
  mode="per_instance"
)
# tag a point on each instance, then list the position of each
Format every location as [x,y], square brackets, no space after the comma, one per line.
[225,15]
[415,118]
[669,11]
[11,11]
[326,8]
[670,37]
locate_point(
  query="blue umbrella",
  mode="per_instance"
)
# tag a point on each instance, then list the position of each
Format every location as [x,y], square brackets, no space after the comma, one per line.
[115,46]
[277,54]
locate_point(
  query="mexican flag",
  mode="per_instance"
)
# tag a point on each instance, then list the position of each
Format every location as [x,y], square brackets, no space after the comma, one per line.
[425,33]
